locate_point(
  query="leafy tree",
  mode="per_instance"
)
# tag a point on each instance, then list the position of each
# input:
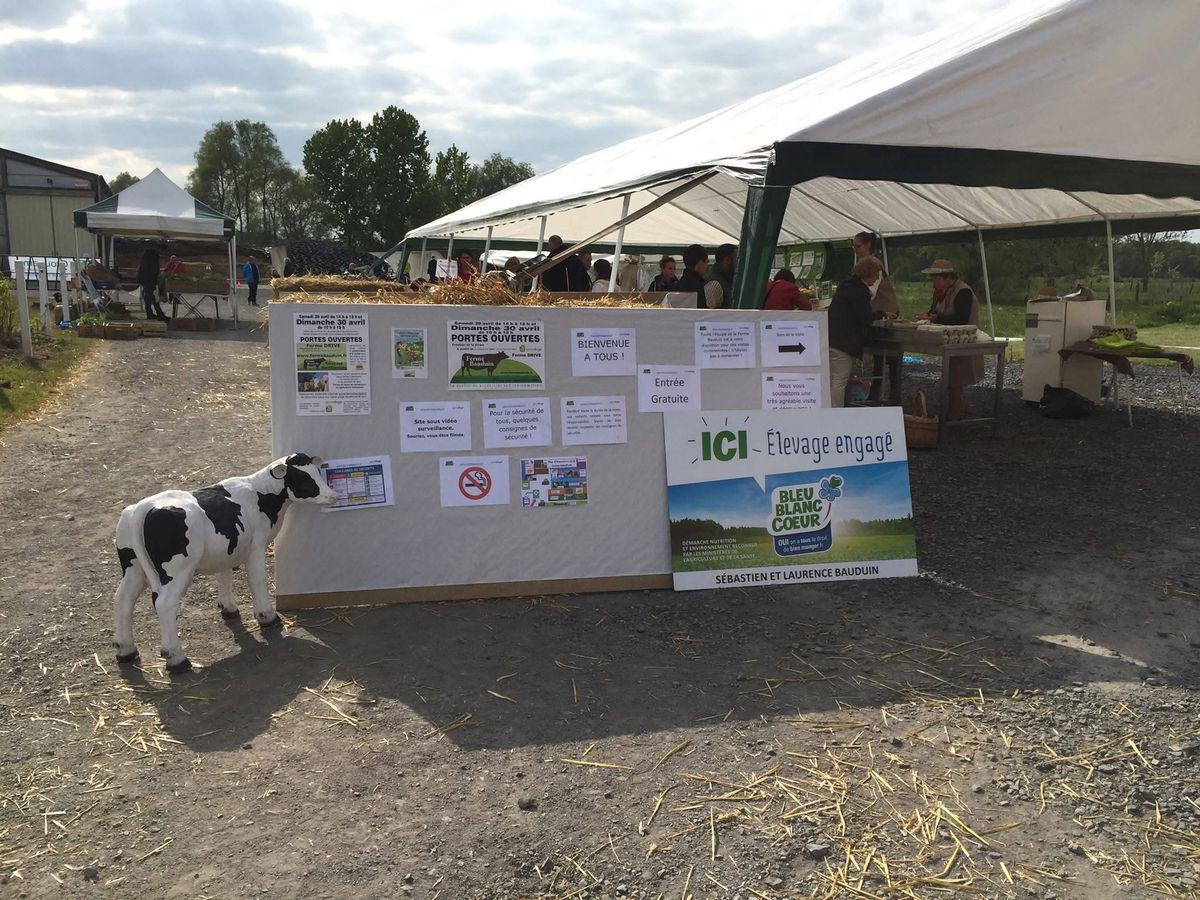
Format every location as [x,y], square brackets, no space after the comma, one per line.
[239,168]
[399,174]
[498,172]
[122,180]
[338,160]
[453,183]
[1150,252]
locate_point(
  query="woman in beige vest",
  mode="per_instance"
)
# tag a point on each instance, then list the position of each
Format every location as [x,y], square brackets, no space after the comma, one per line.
[954,303]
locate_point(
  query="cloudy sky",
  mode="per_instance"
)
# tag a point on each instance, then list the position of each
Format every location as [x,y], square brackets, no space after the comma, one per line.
[107,85]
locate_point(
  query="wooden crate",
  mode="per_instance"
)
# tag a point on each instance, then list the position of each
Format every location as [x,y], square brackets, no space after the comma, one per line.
[121,332]
[153,329]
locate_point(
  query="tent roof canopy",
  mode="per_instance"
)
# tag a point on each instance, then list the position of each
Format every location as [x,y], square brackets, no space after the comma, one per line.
[155,207]
[1054,113]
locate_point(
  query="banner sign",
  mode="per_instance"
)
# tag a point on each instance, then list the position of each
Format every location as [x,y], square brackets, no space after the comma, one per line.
[333,374]
[495,355]
[786,496]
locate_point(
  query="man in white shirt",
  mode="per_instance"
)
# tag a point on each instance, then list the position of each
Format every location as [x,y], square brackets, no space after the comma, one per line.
[603,273]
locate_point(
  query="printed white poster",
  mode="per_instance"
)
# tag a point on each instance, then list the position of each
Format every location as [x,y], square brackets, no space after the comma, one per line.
[790,390]
[333,374]
[437,425]
[787,342]
[517,422]
[603,351]
[496,356]
[593,420]
[554,481]
[473,480]
[662,388]
[359,482]
[725,345]
[408,352]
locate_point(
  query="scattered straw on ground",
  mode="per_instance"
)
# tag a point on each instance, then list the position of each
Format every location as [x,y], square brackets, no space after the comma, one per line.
[453,294]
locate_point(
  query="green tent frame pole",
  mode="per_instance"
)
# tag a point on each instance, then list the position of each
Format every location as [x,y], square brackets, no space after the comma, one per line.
[403,261]
[761,221]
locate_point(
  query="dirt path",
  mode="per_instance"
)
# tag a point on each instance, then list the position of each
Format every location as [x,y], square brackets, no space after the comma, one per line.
[1020,721]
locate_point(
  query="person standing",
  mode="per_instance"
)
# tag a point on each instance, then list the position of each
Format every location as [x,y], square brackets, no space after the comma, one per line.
[885,300]
[954,303]
[666,278]
[850,316]
[720,294]
[467,270]
[147,278]
[566,275]
[603,275]
[250,276]
[783,293]
[695,266]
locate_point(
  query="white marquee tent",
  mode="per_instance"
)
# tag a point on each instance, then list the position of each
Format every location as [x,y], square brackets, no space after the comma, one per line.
[1059,115]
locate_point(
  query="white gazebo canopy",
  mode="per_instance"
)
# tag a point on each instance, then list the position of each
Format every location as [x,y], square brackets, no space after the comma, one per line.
[1060,115]
[155,207]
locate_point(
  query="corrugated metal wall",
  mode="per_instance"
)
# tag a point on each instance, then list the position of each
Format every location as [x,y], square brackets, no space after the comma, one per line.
[29,224]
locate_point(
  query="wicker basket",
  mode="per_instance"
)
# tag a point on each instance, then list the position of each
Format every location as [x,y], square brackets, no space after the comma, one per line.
[921,431]
[1129,332]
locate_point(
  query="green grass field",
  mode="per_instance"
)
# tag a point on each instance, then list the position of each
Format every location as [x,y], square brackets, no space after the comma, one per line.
[848,549]
[1149,310]
[508,371]
[56,357]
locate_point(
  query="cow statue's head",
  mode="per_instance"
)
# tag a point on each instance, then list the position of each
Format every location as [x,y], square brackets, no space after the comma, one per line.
[302,478]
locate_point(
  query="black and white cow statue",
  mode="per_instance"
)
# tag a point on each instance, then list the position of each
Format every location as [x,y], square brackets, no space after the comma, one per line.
[166,540]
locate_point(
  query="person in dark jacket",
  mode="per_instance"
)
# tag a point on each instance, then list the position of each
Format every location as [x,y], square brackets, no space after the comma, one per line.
[782,293]
[147,277]
[695,266]
[569,274]
[666,279]
[850,316]
[719,294]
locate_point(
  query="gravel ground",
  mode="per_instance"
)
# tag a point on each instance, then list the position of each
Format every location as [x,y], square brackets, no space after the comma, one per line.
[1020,721]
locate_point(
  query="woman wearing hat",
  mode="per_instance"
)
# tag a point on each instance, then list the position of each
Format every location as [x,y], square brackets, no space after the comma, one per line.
[954,303]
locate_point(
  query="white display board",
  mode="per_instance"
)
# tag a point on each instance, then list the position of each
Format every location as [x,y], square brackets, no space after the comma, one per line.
[588,516]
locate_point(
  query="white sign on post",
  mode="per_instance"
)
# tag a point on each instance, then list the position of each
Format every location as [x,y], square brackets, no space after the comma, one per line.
[523,422]
[661,388]
[603,351]
[438,425]
[790,390]
[593,420]
[788,342]
[725,345]
[473,480]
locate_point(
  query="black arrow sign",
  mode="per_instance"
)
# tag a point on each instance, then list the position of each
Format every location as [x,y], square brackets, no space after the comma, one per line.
[791,348]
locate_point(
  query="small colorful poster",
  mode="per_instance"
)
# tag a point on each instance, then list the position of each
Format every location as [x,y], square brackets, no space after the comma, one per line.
[333,375]
[662,388]
[603,351]
[725,345]
[359,483]
[788,496]
[593,420]
[790,342]
[554,481]
[517,422]
[790,390]
[473,480]
[437,425]
[408,352]
[495,356]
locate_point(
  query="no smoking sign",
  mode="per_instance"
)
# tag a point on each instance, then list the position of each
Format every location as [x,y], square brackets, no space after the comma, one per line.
[475,483]
[474,480]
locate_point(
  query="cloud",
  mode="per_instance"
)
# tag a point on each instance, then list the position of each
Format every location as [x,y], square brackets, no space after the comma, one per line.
[135,80]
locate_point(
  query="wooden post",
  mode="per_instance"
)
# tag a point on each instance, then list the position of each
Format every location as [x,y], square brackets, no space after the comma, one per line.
[23,306]
[63,292]
[43,298]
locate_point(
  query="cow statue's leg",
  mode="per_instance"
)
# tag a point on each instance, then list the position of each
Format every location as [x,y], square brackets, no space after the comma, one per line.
[256,569]
[168,603]
[133,582]
[225,598]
